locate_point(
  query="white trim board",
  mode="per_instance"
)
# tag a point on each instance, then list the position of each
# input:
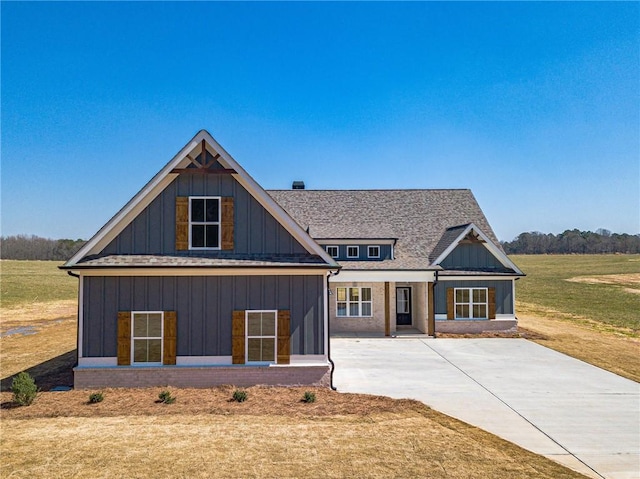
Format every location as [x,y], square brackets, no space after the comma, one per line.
[204,361]
[141,271]
[164,177]
[370,276]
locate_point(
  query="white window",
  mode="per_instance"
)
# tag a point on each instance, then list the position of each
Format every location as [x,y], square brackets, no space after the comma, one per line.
[373,251]
[353,302]
[353,251]
[204,222]
[333,251]
[261,328]
[471,303]
[146,337]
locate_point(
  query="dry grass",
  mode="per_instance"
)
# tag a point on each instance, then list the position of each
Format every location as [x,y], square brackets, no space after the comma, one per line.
[272,434]
[585,340]
[565,305]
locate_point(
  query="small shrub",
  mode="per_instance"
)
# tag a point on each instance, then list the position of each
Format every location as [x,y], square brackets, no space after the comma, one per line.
[96,398]
[24,389]
[166,397]
[309,397]
[239,395]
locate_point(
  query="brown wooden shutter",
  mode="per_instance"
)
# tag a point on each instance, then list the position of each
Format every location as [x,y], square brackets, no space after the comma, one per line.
[182,223]
[492,302]
[227,223]
[451,314]
[169,339]
[124,338]
[284,337]
[237,337]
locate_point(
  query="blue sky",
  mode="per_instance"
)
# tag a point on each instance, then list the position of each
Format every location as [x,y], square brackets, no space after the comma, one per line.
[534,106]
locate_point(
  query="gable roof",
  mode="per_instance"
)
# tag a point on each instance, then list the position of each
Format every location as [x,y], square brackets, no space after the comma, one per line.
[165,176]
[419,219]
[452,237]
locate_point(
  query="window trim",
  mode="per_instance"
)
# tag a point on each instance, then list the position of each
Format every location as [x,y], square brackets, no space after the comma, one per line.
[205,223]
[133,339]
[369,255]
[337,255]
[360,302]
[357,255]
[470,303]
[246,336]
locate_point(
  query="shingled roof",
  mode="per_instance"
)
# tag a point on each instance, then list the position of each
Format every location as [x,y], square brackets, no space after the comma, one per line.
[422,221]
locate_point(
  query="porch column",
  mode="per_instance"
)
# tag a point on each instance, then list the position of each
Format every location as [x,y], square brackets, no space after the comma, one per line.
[431,316]
[387,310]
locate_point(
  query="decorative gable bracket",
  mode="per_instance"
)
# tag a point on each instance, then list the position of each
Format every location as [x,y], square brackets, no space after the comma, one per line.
[204,165]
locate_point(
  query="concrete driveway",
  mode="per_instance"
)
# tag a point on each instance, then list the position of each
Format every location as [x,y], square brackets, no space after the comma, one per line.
[576,414]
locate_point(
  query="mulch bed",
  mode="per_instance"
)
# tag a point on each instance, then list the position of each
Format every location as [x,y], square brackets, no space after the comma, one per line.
[278,401]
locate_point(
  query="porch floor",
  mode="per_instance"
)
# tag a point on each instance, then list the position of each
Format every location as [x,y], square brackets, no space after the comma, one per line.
[400,333]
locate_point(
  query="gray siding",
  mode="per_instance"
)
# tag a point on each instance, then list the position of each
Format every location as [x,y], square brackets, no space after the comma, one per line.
[504,294]
[255,230]
[385,252]
[472,257]
[204,306]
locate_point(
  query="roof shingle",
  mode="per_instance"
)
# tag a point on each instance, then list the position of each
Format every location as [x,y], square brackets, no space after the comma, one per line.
[422,221]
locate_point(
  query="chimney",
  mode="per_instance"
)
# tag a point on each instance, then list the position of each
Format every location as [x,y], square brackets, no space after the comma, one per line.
[297,185]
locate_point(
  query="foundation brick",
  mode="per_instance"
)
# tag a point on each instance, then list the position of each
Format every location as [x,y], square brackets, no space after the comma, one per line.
[200,377]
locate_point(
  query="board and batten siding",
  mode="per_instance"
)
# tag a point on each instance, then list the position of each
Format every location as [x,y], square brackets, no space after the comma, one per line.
[204,307]
[470,256]
[153,231]
[504,294]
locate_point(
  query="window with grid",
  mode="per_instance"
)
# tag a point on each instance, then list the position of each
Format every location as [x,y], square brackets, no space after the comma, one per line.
[332,251]
[146,337]
[353,301]
[471,303]
[373,251]
[204,222]
[261,336]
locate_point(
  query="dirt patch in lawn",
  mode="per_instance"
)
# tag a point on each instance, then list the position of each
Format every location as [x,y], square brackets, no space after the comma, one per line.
[35,315]
[630,280]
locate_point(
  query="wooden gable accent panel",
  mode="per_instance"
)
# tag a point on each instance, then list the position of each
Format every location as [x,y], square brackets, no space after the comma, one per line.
[284,337]
[451,314]
[227,223]
[491,293]
[124,338]
[237,337]
[170,333]
[182,223]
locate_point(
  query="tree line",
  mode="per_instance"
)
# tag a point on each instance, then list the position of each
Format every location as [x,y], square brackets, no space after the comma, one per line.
[37,248]
[569,242]
[573,242]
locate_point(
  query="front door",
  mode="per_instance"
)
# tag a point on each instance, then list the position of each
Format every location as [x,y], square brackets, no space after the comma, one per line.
[403,306]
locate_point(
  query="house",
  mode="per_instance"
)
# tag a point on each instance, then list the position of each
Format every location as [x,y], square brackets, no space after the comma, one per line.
[424,260]
[204,278]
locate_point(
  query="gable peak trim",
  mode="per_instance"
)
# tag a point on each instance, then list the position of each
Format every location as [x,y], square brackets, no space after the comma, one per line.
[167,174]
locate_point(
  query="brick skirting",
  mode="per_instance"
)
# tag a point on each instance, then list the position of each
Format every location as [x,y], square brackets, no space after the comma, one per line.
[200,377]
[476,326]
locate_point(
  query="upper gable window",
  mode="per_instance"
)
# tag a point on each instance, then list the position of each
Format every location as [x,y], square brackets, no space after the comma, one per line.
[373,251]
[353,251]
[204,222]
[332,251]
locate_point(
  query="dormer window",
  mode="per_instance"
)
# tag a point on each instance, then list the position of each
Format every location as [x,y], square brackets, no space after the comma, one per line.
[204,222]
[373,251]
[332,251]
[353,251]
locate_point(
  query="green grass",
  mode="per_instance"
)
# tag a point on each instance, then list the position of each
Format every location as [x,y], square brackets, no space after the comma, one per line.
[546,285]
[25,282]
